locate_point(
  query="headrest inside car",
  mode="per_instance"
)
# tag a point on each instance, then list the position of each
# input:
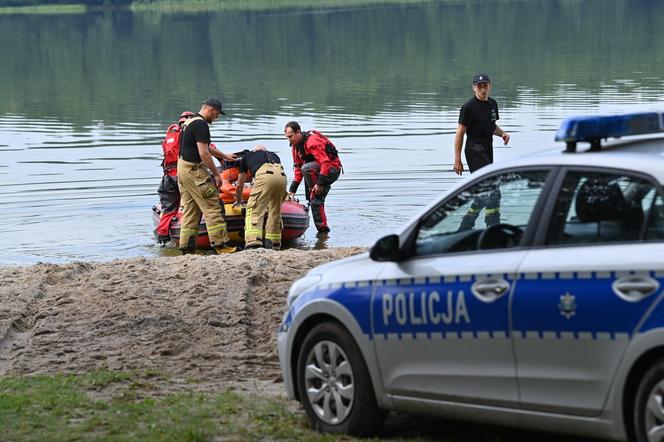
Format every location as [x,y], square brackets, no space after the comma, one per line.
[599,200]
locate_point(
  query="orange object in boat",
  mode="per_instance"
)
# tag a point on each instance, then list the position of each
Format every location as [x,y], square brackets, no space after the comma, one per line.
[228,188]
[227,192]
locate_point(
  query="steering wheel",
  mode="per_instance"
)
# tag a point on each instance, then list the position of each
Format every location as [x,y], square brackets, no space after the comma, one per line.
[500,236]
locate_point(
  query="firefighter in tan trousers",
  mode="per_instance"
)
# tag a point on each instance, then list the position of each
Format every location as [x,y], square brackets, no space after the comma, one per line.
[199,180]
[267,194]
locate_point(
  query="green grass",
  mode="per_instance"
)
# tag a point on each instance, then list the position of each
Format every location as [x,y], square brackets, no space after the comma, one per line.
[128,406]
[44,9]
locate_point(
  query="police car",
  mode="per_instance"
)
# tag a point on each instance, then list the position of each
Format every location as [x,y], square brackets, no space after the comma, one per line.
[530,295]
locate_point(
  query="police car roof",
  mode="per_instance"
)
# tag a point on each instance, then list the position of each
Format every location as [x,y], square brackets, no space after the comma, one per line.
[645,154]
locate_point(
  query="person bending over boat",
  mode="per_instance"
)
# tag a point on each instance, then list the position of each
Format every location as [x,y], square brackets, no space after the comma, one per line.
[199,181]
[317,161]
[267,194]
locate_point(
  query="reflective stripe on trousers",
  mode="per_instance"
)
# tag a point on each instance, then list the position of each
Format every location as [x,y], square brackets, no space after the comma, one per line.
[199,196]
[266,197]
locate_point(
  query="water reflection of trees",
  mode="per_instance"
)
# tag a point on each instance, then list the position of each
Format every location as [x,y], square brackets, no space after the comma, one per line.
[362,60]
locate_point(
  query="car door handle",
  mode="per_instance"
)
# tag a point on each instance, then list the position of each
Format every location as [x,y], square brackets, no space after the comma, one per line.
[488,290]
[634,288]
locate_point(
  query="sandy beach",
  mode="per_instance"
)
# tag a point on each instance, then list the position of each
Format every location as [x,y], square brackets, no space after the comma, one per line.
[211,318]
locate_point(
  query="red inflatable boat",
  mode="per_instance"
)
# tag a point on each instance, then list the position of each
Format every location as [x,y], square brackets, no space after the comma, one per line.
[295,218]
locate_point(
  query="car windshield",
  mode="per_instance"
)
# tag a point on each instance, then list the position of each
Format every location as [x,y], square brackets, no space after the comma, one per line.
[505,200]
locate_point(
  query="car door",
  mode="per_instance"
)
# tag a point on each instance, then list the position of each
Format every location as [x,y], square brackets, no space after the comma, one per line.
[440,316]
[580,297]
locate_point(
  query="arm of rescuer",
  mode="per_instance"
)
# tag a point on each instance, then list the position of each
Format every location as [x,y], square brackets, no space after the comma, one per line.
[206,158]
[317,149]
[220,155]
[241,178]
[297,175]
[458,144]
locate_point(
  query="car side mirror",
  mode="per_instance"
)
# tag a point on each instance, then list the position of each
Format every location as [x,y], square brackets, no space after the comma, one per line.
[386,249]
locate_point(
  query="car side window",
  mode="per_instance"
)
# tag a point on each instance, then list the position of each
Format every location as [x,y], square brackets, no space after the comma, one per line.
[595,207]
[492,214]
[655,230]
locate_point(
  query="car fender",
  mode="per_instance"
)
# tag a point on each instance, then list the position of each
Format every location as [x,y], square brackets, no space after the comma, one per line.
[339,313]
[649,337]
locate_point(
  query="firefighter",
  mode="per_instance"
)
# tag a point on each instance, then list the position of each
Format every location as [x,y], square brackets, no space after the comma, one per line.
[267,194]
[316,160]
[169,194]
[199,181]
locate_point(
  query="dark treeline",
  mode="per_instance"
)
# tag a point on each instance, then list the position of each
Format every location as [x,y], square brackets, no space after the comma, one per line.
[65,2]
[145,65]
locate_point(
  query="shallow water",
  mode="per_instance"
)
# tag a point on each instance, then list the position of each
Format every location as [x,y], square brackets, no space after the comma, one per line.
[85,100]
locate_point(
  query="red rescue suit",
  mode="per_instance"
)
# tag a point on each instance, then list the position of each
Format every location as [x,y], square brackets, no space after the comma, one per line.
[316,160]
[169,194]
[318,148]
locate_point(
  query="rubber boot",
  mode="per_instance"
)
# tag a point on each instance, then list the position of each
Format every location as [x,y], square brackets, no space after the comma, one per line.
[468,220]
[492,217]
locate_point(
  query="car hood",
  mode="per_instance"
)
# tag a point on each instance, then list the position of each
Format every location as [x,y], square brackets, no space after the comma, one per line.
[355,268]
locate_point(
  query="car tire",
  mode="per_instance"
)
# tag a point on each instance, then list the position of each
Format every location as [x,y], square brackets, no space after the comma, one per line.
[649,405]
[334,384]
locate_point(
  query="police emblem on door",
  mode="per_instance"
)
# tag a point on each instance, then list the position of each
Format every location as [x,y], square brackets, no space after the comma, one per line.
[567,305]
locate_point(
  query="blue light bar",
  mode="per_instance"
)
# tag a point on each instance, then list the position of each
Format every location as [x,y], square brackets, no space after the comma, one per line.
[592,129]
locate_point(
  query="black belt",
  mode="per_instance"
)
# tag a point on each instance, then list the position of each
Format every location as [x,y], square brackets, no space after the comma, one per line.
[269,171]
[272,173]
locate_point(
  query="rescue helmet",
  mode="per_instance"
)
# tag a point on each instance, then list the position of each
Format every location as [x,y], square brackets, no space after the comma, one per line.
[185,115]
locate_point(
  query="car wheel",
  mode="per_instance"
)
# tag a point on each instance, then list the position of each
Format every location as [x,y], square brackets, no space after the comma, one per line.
[649,405]
[334,383]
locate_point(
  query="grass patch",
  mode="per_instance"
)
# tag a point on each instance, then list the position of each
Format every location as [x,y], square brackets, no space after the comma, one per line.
[44,9]
[127,406]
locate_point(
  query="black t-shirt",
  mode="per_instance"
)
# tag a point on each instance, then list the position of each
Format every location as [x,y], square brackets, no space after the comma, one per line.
[197,131]
[255,159]
[480,118]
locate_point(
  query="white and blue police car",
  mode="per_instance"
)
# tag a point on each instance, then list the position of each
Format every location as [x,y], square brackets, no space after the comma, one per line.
[530,295]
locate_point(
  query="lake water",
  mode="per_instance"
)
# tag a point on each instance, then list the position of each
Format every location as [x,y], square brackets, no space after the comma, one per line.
[85,100]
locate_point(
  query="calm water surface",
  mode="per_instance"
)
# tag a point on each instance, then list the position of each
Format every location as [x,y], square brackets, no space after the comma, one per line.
[85,100]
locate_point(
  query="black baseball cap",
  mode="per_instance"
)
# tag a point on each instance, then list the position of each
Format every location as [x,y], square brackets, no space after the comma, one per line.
[481,78]
[215,103]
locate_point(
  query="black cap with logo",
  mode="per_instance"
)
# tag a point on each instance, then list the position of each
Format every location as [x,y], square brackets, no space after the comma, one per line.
[481,78]
[215,103]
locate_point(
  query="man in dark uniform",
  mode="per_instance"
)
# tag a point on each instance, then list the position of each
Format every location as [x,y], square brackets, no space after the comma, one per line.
[199,180]
[477,120]
[267,194]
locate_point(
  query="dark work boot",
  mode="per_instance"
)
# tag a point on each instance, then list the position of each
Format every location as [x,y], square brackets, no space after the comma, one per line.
[162,240]
[492,217]
[468,220]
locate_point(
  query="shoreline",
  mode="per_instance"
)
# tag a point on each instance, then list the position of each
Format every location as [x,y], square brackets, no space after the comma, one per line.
[209,317]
